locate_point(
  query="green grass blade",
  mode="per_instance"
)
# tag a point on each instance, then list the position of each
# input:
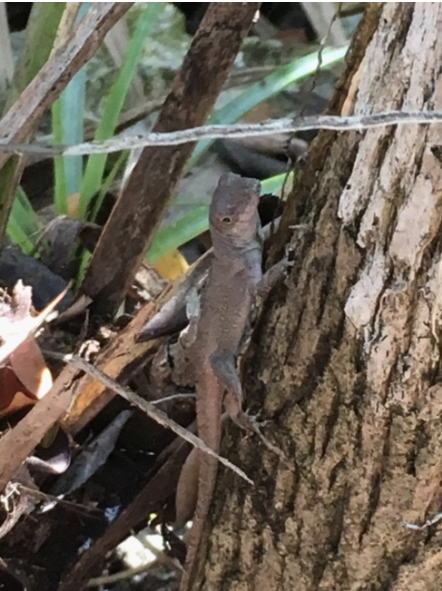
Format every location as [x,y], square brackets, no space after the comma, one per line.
[274,183]
[18,235]
[60,188]
[184,229]
[114,103]
[269,86]
[67,128]
[24,225]
[105,186]
[86,255]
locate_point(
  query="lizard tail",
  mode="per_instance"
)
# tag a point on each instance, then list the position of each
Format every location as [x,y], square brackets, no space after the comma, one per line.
[208,468]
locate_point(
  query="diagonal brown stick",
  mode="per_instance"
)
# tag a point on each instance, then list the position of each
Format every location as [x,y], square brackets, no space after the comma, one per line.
[144,199]
[150,409]
[18,443]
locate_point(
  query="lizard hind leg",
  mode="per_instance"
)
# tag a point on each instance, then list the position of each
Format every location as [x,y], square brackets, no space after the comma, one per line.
[223,365]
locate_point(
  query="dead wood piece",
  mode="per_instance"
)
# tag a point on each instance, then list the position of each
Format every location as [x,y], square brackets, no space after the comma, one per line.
[92,457]
[18,443]
[14,503]
[120,360]
[21,356]
[21,118]
[146,196]
[249,162]
[173,306]
[64,234]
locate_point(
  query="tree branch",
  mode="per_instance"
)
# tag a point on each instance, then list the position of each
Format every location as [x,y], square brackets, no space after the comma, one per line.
[242,130]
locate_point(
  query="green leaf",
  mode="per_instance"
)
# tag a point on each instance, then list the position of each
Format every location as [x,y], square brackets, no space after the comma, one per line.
[86,256]
[269,86]
[18,236]
[105,186]
[274,183]
[180,232]
[60,188]
[24,225]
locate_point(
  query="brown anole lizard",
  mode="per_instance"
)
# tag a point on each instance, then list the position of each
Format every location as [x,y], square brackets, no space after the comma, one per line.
[172,316]
[235,277]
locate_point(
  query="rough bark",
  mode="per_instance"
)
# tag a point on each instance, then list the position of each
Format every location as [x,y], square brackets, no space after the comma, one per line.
[345,362]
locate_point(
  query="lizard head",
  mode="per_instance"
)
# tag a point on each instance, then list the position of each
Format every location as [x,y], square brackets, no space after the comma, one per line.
[234,207]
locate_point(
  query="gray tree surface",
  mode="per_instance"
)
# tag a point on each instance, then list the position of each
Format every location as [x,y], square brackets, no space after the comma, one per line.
[345,361]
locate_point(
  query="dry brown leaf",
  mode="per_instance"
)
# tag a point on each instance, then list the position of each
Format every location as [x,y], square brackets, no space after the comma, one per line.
[29,366]
[24,375]
[73,205]
[16,322]
[13,394]
[171,265]
[187,489]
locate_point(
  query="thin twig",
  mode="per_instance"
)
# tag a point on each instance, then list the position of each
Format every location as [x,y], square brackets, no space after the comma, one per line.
[322,45]
[183,396]
[122,575]
[314,81]
[422,526]
[154,413]
[130,573]
[76,507]
[331,122]
[160,555]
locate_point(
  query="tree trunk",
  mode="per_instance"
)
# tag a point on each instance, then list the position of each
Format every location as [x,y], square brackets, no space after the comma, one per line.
[345,362]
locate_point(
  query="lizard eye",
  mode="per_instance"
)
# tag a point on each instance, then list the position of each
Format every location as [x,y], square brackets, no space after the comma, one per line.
[226,220]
